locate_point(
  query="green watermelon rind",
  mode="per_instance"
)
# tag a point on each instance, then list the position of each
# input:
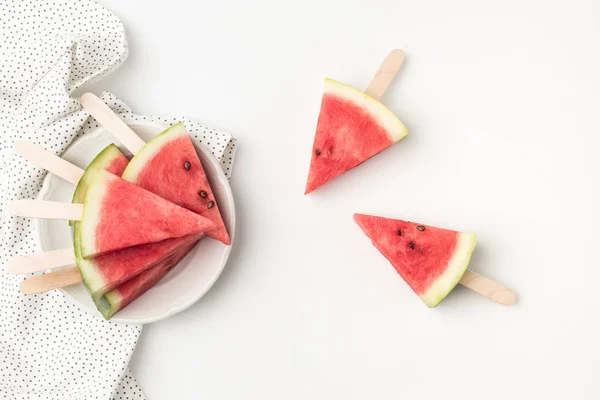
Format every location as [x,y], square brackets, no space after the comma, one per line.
[89,273]
[147,152]
[109,304]
[380,113]
[104,307]
[457,266]
[92,207]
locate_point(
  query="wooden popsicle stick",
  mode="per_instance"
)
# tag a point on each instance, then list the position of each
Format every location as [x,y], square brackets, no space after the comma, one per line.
[386,73]
[40,261]
[112,122]
[45,209]
[49,161]
[488,288]
[50,281]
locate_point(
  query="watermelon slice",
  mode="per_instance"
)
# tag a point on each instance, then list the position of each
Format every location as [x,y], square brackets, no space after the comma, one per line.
[117,299]
[352,127]
[104,273]
[431,260]
[118,214]
[169,166]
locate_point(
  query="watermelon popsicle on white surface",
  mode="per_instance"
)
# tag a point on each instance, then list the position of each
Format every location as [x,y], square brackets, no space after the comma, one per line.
[432,261]
[353,126]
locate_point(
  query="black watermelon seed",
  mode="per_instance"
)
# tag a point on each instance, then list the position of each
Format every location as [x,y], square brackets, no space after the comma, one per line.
[421,228]
[412,245]
[210,204]
[187,165]
[318,152]
[203,194]
[399,232]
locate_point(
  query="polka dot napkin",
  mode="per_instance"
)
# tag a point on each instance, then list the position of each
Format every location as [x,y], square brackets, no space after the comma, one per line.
[49,349]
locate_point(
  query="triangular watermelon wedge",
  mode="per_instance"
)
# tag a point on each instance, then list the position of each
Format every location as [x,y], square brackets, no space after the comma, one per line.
[168,166]
[118,215]
[352,127]
[431,260]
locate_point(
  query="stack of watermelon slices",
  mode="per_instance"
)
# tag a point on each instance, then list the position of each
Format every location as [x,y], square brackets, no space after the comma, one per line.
[136,228]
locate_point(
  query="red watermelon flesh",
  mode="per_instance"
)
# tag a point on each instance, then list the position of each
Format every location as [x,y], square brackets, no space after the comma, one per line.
[118,214]
[117,299]
[431,260]
[352,127]
[117,166]
[113,269]
[169,166]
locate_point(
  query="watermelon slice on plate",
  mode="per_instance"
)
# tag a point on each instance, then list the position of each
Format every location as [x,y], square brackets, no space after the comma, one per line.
[103,273]
[118,214]
[117,299]
[352,127]
[168,165]
[431,260]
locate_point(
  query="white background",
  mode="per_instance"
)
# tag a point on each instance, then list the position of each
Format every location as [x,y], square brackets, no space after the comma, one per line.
[501,100]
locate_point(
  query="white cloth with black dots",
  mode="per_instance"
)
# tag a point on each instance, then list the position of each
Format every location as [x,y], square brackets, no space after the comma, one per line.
[49,349]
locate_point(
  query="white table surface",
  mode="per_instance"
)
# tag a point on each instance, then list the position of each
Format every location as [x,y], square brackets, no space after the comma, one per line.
[501,100]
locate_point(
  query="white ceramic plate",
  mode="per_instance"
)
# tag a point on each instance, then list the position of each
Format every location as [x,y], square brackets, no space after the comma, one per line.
[184,284]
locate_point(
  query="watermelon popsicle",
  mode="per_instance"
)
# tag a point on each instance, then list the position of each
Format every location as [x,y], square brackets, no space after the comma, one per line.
[432,261]
[118,214]
[168,165]
[353,125]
